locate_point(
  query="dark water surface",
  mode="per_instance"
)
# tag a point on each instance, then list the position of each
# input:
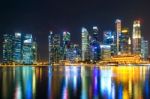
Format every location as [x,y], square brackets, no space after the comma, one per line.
[75,82]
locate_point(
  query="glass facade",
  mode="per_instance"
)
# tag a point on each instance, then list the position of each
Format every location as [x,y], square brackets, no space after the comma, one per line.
[136,37]
[85,44]
[105,52]
[109,38]
[144,48]
[94,52]
[124,37]
[19,49]
[17,57]
[27,49]
[118,32]
[8,48]
[66,43]
[54,48]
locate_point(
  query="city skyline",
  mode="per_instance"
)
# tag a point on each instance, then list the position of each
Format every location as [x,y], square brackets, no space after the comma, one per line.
[63,49]
[91,49]
[78,41]
[39,17]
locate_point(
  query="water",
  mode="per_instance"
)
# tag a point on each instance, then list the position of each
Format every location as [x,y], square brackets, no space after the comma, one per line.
[75,82]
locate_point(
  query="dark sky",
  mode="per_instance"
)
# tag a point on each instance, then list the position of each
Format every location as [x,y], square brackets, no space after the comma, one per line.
[40,16]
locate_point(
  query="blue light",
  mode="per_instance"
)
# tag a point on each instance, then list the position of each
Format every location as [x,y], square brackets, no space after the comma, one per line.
[49,81]
[75,51]
[95,47]
[120,94]
[29,89]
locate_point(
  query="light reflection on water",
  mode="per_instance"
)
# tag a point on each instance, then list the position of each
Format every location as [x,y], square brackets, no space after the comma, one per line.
[75,82]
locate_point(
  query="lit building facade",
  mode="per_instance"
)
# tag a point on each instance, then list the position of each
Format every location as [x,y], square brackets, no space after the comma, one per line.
[144,48]
[129,46]
[118,32]
[95,33]
[95,51]
[7,48]
[105,52]
[19,49]
[109,39]
[27,50]
[124,37]
[136,37]
[18,40]
[54,48]
[76,53]
[66,43]
[95,46]
[73,53]
[85,44]
[34,49]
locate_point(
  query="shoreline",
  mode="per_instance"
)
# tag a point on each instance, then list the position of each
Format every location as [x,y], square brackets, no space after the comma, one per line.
[79,65]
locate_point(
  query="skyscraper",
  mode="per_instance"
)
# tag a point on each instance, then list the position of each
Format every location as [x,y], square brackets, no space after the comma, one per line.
[118,32]
[129,45]
[95,33]
[124,37]
[54,48]
[95,46]
[34,50]
[105,52]
[8,48]
[136,37]
[144,48]
[73,53]
[85,44]
[109,39]
[19,49]
[66,43]
[27,50]
[50,47]
[17,57]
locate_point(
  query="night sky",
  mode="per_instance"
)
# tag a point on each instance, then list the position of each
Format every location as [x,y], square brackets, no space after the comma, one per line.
[40,16]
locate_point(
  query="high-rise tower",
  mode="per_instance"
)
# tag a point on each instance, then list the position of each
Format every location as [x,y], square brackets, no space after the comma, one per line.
[85,44]
[17,57]
[54,48]
[27,51]
[108,37]
[118,32]
[8,48]
[129,45]
[136,37]
[66,43]
[124,37]
[144,48]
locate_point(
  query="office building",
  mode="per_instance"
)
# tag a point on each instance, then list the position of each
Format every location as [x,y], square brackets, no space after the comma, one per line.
[34,49]
[85,44]
[17,55]
[118,32]
[7,48]
[129,46]
[108,38]
[95,51]
[54,48]
[124,37]
[95,35]
[73,53]
[27,50]
[136,37]
[144,49]
[105,52]
[66,44]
